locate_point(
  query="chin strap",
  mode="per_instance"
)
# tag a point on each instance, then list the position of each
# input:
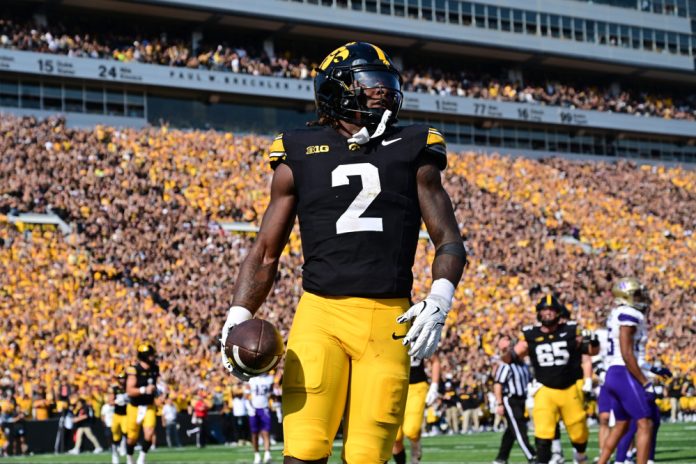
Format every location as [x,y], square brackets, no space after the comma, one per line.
[363,135]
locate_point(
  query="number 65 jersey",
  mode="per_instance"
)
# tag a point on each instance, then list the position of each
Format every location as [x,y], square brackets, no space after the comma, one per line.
[358,206]
[555,356]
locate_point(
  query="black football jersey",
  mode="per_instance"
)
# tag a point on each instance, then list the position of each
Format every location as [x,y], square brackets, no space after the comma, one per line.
[358,206]
[120,399]
[144,378]
[556,356]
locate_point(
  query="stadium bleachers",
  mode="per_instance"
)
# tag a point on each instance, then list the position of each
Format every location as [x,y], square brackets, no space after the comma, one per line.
[499,82]
[147,255]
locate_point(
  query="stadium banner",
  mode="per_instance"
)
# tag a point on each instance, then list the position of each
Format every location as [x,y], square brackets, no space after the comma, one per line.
[153,75]
[278,87]
[48,436]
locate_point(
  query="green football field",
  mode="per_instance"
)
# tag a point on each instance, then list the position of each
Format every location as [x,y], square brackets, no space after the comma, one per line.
[676,444]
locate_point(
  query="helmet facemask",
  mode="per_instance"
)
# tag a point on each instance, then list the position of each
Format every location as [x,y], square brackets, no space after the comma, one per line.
[630,292]
[358,84]
[146,353]
[369,94]
[551,303]
[549,322]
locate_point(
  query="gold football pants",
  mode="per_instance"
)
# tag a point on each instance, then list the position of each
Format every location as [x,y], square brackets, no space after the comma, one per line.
[343,362]
[138,417]
[118,427]
[552,404]
[415,407]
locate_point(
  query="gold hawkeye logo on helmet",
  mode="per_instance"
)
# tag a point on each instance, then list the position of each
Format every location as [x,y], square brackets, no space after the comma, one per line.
[340,54]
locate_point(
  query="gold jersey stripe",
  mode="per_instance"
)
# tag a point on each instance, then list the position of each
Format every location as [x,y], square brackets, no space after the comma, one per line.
[434,138]
[277,146]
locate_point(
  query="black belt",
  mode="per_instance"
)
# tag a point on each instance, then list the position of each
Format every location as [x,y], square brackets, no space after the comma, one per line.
[516,397]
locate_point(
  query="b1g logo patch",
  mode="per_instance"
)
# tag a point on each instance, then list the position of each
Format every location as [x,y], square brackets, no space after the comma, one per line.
[314,149]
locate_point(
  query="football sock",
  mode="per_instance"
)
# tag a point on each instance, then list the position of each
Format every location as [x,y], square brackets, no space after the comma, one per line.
[543,450]
[579,447]
[400,458]
[146,446]
[415,451]
[130,449]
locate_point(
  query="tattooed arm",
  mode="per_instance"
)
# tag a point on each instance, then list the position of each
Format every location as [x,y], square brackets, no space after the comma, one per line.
[259,268]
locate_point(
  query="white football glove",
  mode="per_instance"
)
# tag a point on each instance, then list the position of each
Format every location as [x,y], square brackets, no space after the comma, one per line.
[432,394]
[428,318]
[587,385]
[235,315]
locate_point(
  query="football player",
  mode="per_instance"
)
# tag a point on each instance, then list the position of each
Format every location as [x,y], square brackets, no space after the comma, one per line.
[260,391]
[118,425]
[141,388]
[420,395]
[584,383]
[627,384]
[555,349]
[599,363]
[360,186]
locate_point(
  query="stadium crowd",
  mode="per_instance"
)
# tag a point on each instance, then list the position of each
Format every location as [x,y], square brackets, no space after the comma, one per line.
[147,257]
[249,58]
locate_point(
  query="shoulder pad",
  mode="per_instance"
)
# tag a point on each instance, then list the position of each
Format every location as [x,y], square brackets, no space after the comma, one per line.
[526,332]
[131,370]
[435,137]
[435,145]
[276,152]
[572,325]
[629,316]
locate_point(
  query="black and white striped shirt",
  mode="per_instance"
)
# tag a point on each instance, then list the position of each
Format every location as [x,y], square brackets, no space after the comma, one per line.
[514,379]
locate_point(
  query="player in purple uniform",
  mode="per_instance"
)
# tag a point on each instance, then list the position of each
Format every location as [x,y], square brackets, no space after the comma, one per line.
[260,390]
[627,440]
[631,392]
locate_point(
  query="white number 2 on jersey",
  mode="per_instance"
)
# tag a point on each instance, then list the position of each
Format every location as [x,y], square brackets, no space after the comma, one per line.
[553,354]
[350,220]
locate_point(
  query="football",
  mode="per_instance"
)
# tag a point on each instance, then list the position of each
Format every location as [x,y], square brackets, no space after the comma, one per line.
[254,346]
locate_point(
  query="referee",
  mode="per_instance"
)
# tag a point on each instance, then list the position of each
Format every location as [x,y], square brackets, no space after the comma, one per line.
[510,390]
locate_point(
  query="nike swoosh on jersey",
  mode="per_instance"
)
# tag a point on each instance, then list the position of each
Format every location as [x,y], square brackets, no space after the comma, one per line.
[397,337]
[389,142]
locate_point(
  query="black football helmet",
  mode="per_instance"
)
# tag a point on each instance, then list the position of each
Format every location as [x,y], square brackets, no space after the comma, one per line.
[343,80]
[550,302]
[146,352]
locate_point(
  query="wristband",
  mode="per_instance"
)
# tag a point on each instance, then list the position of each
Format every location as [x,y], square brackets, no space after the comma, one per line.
[444,289]
[142,390]
[238,314]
